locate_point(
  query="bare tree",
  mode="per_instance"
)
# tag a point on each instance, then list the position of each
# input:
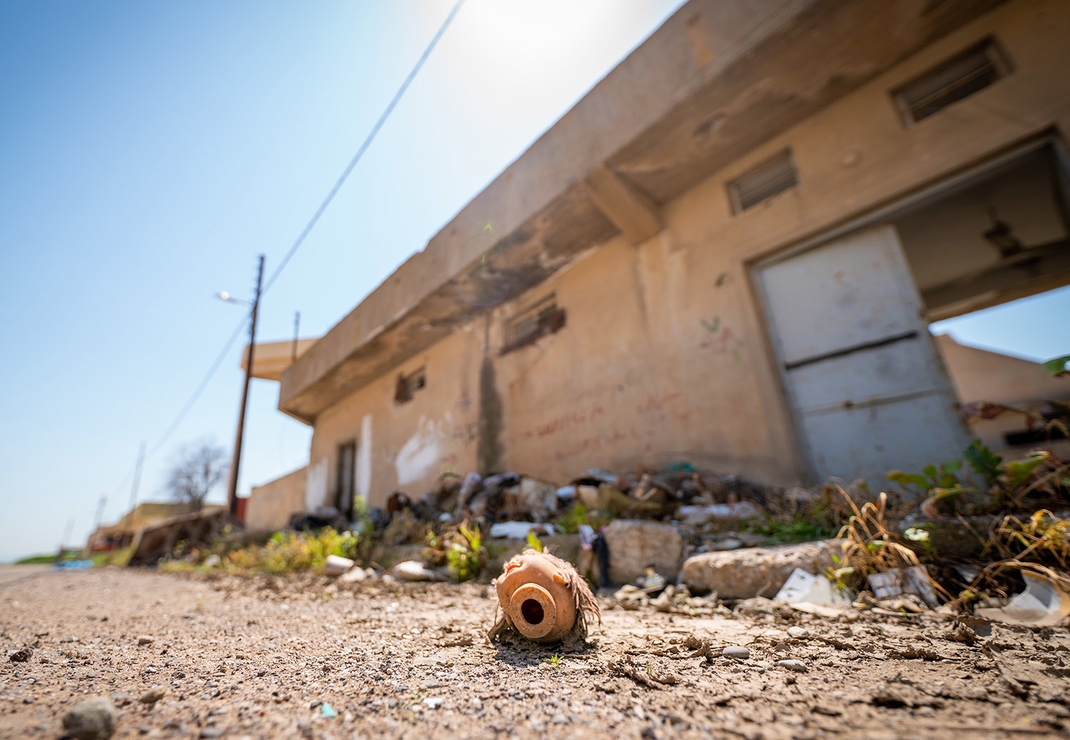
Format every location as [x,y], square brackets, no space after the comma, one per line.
[197,470]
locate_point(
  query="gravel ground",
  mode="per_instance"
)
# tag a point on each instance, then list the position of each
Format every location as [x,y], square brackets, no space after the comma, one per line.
[275,657]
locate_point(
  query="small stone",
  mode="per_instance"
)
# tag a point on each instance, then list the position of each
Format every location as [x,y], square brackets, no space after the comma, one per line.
[433,702]
[736,651]
[145,639]
[92,719]
[21,656]
[798,632]
[119,699]
[793,665]
[153,695]
[211,732]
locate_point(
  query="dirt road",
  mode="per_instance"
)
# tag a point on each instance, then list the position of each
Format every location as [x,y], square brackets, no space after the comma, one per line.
[274,658]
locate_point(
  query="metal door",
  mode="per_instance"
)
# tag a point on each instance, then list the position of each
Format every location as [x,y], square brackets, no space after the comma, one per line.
[867,388]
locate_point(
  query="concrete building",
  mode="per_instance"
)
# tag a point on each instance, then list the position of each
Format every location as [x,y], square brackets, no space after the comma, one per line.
[728,252]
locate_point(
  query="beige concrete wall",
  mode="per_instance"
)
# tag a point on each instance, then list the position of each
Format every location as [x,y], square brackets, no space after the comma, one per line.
[404,446]
[980,375]
[269,506]
[664,356]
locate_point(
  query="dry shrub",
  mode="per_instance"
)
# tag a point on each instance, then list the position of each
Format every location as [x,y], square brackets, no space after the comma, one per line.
[1043,538]
[869,546]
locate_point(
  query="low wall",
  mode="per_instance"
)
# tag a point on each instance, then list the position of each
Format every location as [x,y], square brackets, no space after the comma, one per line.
[270,505]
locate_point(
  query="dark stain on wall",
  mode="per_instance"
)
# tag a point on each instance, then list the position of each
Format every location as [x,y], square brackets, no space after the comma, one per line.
[489,449]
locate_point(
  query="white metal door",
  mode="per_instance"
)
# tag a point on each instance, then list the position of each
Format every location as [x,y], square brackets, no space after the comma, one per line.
[867,388]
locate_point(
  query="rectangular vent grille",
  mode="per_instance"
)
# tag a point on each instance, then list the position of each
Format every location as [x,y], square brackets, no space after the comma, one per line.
[763,182]
[535,321]
[957,78]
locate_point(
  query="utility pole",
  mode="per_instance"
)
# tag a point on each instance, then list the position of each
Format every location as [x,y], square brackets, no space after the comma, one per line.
[100,512]
[137,475]
[235,464]
[297,326]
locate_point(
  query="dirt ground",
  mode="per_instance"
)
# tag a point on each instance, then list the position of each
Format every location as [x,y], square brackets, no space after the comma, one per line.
[265,658]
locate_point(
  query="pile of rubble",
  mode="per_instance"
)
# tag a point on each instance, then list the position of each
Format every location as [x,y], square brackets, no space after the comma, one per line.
[679,492]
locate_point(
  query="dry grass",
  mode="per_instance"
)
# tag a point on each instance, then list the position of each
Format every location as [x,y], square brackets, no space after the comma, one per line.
[869,546]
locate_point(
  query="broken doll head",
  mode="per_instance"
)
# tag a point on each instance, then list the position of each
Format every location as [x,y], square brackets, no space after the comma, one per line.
[543,598]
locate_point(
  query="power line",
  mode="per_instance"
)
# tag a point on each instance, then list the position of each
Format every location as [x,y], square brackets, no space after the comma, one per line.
[309,226]
[363,147]
[200,388]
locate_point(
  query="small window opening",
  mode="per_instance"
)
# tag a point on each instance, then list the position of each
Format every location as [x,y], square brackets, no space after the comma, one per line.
[536,321]
[407,385]
[770,178]
[959,77]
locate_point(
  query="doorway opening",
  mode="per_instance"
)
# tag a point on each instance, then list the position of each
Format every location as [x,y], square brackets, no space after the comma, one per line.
[849,313]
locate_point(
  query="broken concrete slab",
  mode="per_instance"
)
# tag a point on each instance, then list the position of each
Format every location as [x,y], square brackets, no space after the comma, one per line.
[755,571]
[635,544]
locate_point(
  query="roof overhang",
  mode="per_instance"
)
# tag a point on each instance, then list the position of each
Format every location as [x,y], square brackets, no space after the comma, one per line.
[716,80]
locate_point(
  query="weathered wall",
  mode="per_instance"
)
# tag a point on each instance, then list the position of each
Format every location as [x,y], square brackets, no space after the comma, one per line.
[664,355]
[270,505]
[407,446]
[980,375]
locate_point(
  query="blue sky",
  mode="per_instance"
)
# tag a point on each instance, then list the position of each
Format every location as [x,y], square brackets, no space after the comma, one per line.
[151,150]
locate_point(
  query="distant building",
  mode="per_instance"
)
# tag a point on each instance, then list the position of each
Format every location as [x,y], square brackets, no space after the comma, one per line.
[728,252]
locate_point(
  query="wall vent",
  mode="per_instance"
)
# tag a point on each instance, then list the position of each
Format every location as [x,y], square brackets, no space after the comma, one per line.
[763,182]
[959,77]
[407,385]
[540,319]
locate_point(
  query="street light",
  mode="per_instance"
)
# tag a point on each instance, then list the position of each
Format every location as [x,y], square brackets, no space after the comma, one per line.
[225,296]
[232,486]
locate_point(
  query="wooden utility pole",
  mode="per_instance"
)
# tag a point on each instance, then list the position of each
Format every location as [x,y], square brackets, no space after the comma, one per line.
[235,464]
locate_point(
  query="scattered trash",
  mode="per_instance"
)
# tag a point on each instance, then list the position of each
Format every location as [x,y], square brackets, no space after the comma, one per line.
[327,710]
[433,702]
[414,570]
[806,588]
[901,581]
[565,494]
[1042,604]
[92,719]
[21,656]
[651,582]
[73,564]
[543,598]
[698,515]
[336,565]
[519,530]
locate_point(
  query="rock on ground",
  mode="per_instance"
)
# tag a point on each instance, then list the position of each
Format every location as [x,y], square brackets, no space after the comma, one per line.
[92,719]
[754,571]
[635,544]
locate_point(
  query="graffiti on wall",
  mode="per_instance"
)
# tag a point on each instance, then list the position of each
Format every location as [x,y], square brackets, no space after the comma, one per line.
[721,340]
